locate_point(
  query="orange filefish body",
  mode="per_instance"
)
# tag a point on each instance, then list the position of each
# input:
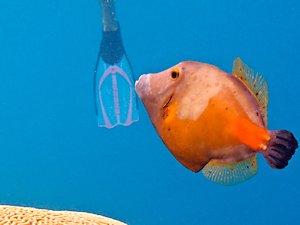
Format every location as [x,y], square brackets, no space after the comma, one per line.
[214,121]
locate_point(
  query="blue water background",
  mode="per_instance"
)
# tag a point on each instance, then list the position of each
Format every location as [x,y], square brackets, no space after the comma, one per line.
[54,156]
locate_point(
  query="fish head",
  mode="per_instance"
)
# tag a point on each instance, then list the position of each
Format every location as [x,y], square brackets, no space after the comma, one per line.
[158,90]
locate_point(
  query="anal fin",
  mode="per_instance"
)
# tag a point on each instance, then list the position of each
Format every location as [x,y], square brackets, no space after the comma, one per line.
[231,173]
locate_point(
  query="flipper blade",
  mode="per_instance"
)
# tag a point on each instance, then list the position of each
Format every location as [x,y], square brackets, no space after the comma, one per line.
[115,97]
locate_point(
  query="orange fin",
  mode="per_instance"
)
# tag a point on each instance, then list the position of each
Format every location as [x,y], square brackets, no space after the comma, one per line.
[256,83]
[231,173]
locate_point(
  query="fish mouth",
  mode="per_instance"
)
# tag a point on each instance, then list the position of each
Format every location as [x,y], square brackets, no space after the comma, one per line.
[167,102]
[142,85]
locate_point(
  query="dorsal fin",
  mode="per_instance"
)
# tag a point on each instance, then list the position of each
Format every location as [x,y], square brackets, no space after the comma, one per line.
[256,83]
[231,173]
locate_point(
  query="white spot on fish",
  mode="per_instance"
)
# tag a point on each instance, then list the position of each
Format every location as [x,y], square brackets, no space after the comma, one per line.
[197,95]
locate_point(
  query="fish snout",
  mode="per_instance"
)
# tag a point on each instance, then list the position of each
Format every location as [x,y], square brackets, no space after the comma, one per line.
[142,85]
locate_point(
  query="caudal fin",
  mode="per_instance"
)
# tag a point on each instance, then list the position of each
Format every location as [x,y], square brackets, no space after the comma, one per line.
[280,148]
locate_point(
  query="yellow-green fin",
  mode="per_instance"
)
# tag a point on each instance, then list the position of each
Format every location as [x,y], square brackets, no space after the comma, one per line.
[256,83]
[231,173]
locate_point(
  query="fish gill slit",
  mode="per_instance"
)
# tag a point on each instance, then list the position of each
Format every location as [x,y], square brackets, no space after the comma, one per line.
[167,102]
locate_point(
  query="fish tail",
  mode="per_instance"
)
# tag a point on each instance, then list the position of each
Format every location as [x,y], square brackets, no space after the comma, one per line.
[280,148]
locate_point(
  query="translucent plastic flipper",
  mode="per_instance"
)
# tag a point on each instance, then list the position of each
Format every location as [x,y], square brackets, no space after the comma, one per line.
[115,97]
[116,101]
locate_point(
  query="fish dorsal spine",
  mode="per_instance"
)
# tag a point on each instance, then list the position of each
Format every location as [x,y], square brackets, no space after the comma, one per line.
[256,83]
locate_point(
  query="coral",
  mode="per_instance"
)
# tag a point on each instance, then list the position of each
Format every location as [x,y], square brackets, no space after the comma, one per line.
[14,215]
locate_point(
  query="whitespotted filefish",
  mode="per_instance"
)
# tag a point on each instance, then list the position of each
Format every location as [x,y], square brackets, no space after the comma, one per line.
[214,121]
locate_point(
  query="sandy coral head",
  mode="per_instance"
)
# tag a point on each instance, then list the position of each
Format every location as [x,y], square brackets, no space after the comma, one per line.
[13,215]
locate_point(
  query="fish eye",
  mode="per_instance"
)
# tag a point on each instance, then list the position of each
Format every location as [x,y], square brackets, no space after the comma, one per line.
[175,73]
